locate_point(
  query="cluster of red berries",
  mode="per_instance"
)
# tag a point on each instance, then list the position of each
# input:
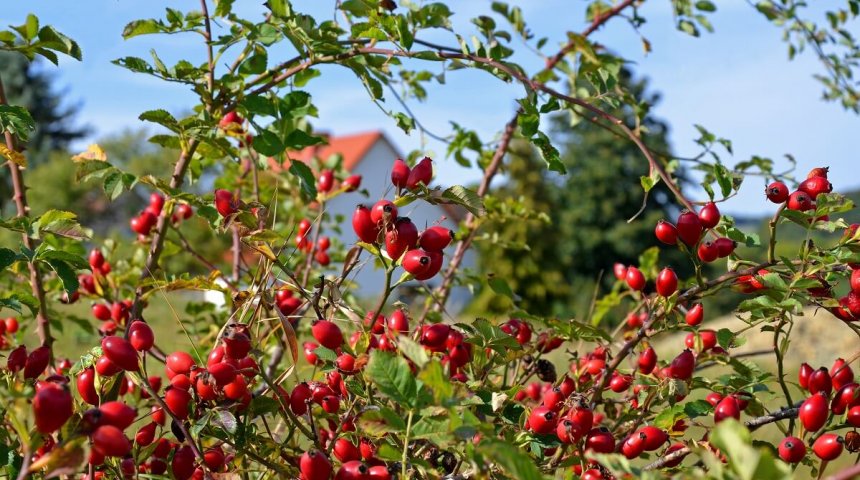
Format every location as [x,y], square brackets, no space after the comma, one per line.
[305,244]
[807,192]
[142,224]
[234,125]
[225,380]
[419,254]
[849,305]
[326,182]
[358,460]
[666,283]
[690,228]
[8,325]
[819,407]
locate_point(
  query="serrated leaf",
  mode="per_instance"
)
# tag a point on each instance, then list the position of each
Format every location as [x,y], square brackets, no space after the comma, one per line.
[466,198]
[61,223]
[380,421]
[161,117]
[75,261]
[17,121]
[66,273]
[413,351]
[725,337]
[299,139]
[392,375]
[435,379]
[306,177]
[511,459]
[226,420]
[668,416]
[698,408]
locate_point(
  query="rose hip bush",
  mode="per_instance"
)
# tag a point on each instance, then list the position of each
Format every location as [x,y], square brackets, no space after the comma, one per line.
[299,378]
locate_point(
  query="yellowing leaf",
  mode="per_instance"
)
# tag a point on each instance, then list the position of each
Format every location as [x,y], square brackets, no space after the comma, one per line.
[94,152]
[64,459]
[15,157]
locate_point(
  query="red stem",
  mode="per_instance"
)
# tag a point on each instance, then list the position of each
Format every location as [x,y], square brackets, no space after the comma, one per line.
[43,325]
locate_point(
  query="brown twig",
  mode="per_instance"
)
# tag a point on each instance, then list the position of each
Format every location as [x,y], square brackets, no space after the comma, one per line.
[752,425]
[598,22]
[158,237]
[200,258]
[43,324]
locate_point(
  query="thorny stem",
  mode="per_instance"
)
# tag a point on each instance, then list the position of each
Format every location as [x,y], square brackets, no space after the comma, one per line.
[200,258]
[43,324]
[752,425]
[158,237]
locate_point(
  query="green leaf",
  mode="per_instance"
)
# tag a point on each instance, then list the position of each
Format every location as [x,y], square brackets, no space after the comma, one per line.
[750,463]
[259,105]
[52,39]
[706,6]
[435,430]
[306,177]
[466,198]
[8,257]
[325,354]
[725,337]
[413,351]
[668,416]
[392,375]
[31,27]
[75,261]
[549,153]
[303,77]
[378,422]
[142,27]
[225,420]
[268,143]
[649,181]
[18,299]
[358,8]
[299,139]
[256,64]
[17,121]
[66,273]
[435,379]
[724,179]
[501,287]
[161,117]
[61,223]
[511,459]
[225,7]
[698,408]
[280,8]
[648,261]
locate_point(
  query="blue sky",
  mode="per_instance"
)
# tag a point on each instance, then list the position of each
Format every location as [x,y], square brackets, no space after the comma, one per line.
[737,82]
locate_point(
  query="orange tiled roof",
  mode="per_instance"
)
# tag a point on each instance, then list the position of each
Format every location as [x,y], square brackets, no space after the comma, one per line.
[353,148]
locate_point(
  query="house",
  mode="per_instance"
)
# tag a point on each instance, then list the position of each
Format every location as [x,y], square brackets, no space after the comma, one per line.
[371,154]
